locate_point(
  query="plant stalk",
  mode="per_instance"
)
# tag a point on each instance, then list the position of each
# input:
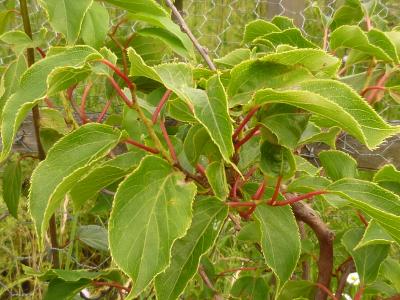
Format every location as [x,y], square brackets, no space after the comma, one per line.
[30,55]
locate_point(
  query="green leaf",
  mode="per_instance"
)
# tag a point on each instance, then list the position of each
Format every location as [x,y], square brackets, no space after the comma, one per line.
[258,28]
[94,236]
[233,58]
[197,143]
[381,40]
[354,38]
[283,22]
[66,16]
[374,128]
[179,110]
[249,287]
[367,259]
[292,37]
[380,204]
[280,240]
[277,160]
[6,16]
[350,13]
[63,77]
[33,87]
[95,25]
[307,183]
[151,12]
[173,42]
[10,79]
[12,183]
[338,164]
[155,203]
[67,161]
[104,175]
[287,127]
[316,61]
[217,178]
[297,288]
[18,39]
[390,269]
[374,234]
[252,75]
[64,290]
[208,218]
[250,232]
[52,118]
[314,134]
[303,165]
[387,173]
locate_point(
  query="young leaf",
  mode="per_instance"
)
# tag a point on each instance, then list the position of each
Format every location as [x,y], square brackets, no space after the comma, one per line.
[258,28]
[338,164]
[208,218]
[367,259]
[233,58]
[374,128]
[33,87]
[151,12]
[217,178]
[66,16]
[378,203]
[67,161]
[155,203]
[12,182]
[95,25]
[354,38]
[280,240]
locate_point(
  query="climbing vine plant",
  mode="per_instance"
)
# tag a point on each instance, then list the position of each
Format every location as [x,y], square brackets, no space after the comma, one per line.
[192,177]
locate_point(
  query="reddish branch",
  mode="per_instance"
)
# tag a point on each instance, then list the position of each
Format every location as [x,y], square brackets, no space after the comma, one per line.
[359,293]
[168,141]
[120,92]
[276,191]
[41,52]
[255,131]
[201,170]
[117,71]
[299,198]
[239,181]
[82,110]
[326,290]
[362,219]
[380,83]
[369,88]
[103,112]
[141,146]
[325,236]
[160,105]
[345,268]
[244,122]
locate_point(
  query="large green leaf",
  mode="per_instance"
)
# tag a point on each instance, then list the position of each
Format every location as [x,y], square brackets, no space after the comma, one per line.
[374,234]
[353,37]
[367,259]
[338,164]
[349,13]
[208,218]
[233,58]
[280,240]
[12,183]
[95,25]
[33,87]
[66,16]
[249,287]
[252,75]
[277,160]
[151,12]
[374,128]
[67,161]
[291,36]
[104,175]
[152,208]
[18,40]
[381,204]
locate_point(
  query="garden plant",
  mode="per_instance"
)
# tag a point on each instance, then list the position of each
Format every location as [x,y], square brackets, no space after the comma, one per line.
[191,183]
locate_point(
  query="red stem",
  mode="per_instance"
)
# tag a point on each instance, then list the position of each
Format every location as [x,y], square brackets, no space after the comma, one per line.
[362,218]
[255,131]
[120,92]
[160,105]
[239,182]
[299,198]
[201,170]
[83,103]
[117,71]
[141,146]
[260,191]
[375,87]
[103,112]
[276,191]
[48,102]
[244,122]
[326,290]
[359,293]
[168,140]
[41,52]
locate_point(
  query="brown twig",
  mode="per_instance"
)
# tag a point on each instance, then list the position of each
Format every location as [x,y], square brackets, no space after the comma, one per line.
[346,268]
[325,236]
[205,278]
[181,22]
[36,123]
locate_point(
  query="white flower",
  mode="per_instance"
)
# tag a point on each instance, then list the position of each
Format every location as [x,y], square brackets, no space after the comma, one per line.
[347,297]
[353,279]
